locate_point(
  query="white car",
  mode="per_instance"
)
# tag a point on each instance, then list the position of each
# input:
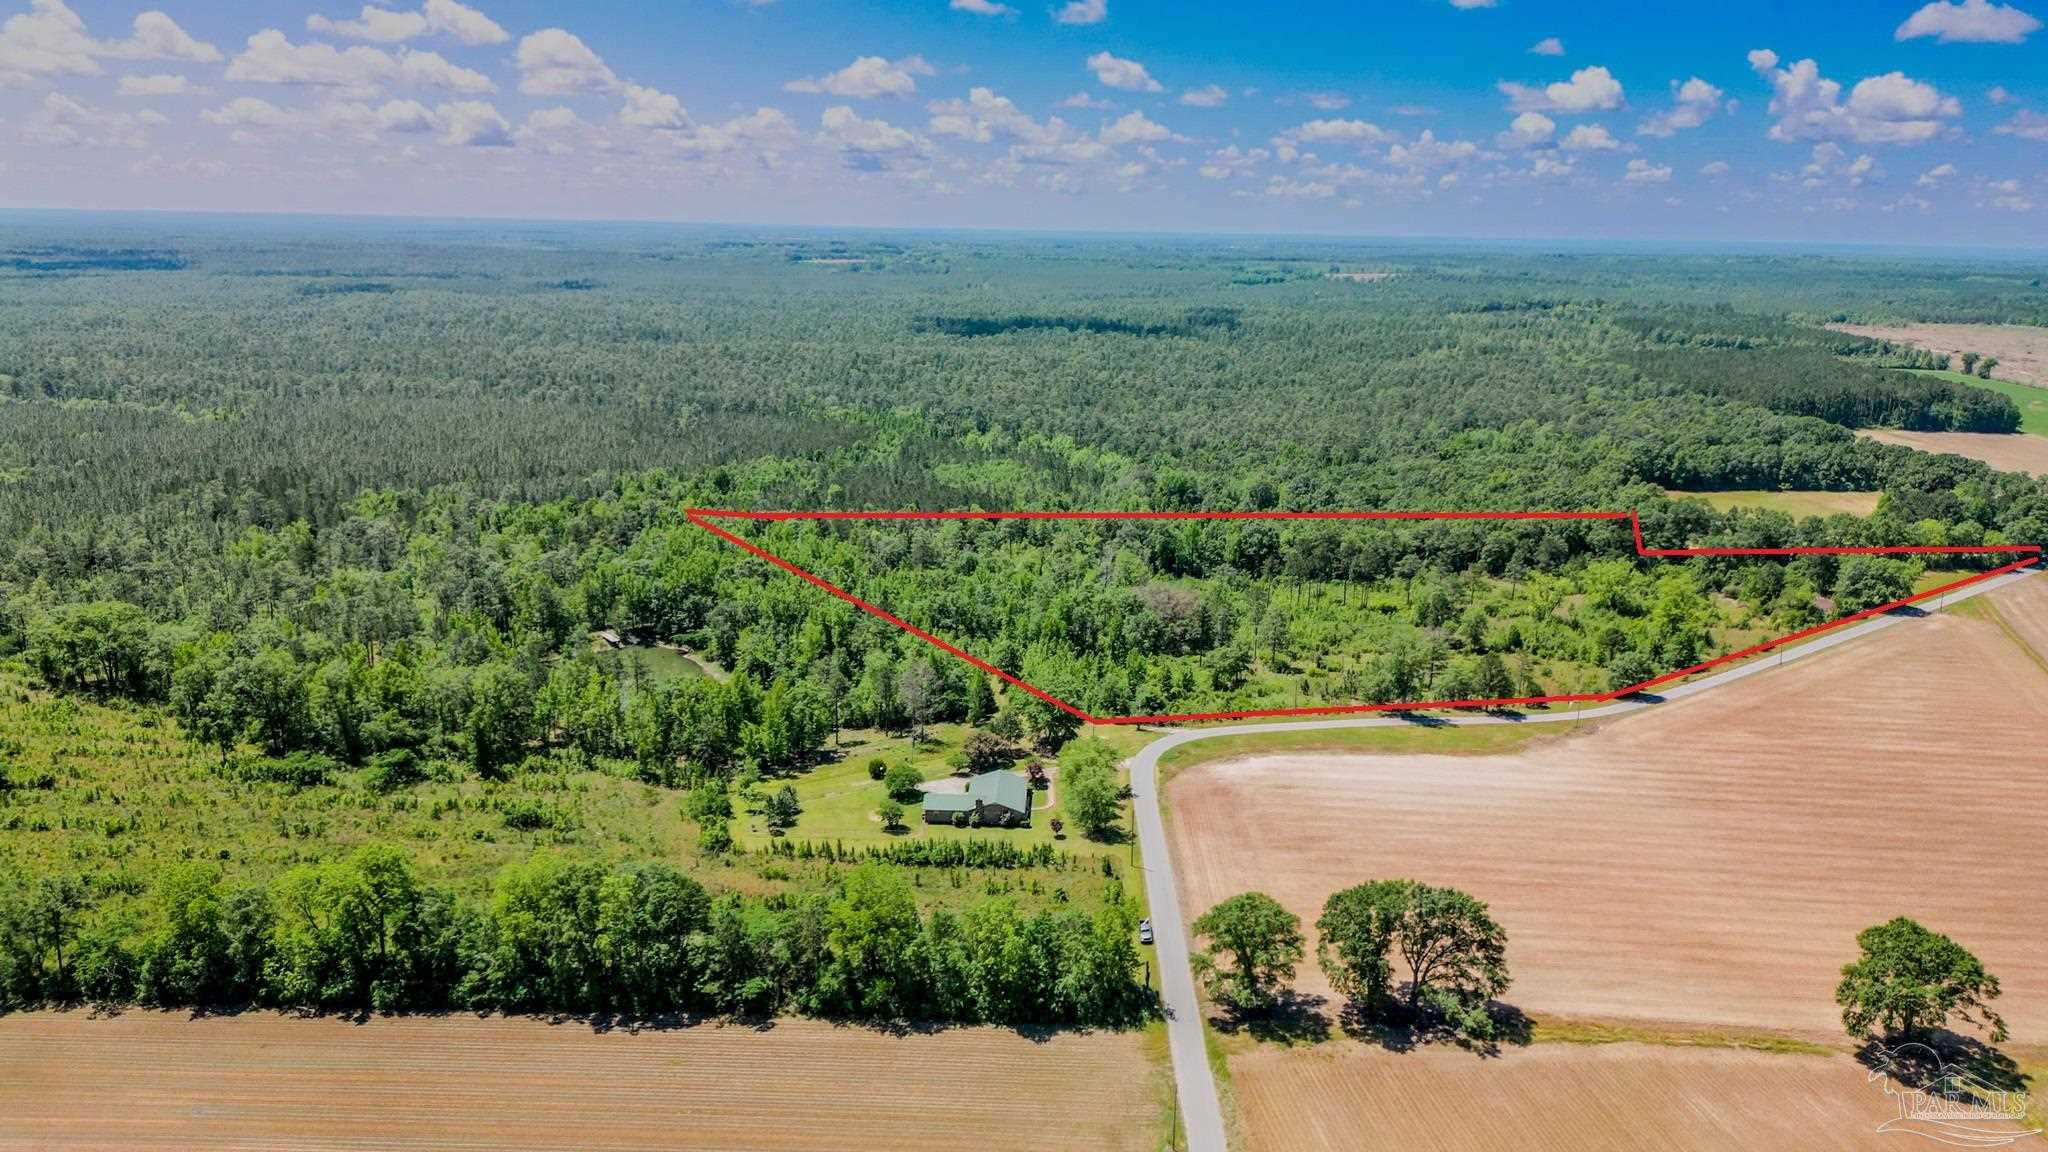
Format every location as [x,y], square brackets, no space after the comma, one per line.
[1144,931]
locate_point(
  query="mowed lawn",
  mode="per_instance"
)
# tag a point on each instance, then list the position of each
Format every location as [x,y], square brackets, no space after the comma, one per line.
[2032,400]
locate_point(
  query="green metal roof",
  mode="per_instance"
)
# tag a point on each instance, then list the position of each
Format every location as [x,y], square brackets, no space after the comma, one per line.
[1005,788]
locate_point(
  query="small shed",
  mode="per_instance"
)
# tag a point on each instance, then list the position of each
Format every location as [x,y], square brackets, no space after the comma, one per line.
[1002,798]
[611,639]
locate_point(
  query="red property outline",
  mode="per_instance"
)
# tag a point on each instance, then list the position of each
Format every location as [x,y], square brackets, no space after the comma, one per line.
[702,517]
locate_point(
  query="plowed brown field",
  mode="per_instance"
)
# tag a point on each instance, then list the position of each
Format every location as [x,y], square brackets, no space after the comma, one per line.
[146,1080]
[2017,452]
[2022,349]
[1708,862]
[1585,1098]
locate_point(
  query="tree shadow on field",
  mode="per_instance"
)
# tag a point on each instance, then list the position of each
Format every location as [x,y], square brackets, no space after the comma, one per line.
[1393,1029]
[1292,1019]
[1929,1062]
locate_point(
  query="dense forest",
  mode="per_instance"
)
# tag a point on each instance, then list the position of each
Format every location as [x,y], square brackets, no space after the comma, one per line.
[343,504]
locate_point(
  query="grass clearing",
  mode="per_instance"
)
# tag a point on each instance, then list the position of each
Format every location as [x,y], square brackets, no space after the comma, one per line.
[1409,740]
[2032,399]
[1791,503]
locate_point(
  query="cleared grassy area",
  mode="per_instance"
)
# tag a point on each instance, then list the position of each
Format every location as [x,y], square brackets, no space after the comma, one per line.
[1415,739]
[2032,401]
[1790,503]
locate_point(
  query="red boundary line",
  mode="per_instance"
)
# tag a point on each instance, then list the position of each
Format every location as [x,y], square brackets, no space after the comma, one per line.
[702,517]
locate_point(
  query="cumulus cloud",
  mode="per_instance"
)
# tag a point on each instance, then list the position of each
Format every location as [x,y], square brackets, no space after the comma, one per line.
[1083,12]
[50,40]
[866,78]
[2026,124]
[1117,72]
[1131,128]
[248,112]
[985,116]
[982,7]
[390,26]
[1528,130]
[1548,46]
[2009,196]
[555,62]
[1935,175]
[1426,152]
[166,84]
[1888,109]
[1692,104]
[1589,138]
[1969,22]
[1087,100]
[1328,101]
[1232,161]
[1643,172]
[652,108]
[843,128]
[1207,96]
[64,121]
[1290,144]
[1714,168]
[271,58]
[1591,89]
[473,124]
[1829,164]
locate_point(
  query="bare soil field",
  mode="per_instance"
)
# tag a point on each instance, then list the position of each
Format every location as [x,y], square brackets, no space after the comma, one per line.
[2022,349]
[1708,862]
[147,1080]
[1588,1098]
[2017,452]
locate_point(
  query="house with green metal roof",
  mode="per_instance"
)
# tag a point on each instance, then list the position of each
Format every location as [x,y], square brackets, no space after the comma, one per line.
[1003,800]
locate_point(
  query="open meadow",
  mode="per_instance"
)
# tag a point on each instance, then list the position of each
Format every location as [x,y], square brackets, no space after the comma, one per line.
[1702,867]
[149,1080]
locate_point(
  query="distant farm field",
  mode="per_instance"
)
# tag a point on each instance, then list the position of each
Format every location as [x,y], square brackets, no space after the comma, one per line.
[145,1080]
[2018,452]
[2031,398]
[1582,1097]
[1790,503]
[1709,862]
[2022,349]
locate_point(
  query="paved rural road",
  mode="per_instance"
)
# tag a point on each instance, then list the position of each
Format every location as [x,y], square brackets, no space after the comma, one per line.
[1201,1115]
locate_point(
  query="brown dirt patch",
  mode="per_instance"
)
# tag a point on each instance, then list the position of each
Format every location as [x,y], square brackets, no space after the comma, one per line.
[146,1080]
[1588,1098]
[2015,452]
[2022,349]
[1708,862]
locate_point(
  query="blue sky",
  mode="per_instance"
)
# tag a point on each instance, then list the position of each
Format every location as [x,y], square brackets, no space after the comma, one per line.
[1873,121]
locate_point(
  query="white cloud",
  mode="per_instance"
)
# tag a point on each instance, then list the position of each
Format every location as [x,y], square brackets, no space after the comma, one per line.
[1998,94]
[2025,124]
[1225,163]
[1888,109]
[64,121]
[249,112]
[1528,130]
[1288,145]
[379,24]
[652,108]
[270,58]
[554,62]
[846,130]
[1714,168]
[1830,164]
[1083,12]
[2008,196]
[1935,175]
[982,7]
[1643,172]
[984,116]
[390,26]
[1131,128]
[1589,138]
[1287,189]
[1087,100]
[1468,4]
[1429,152]
[473,124]
[1547,167]
[1328,101]
[1548,46]
[167,84]
[1693,103]
[1969,22]
[1208,96]
[1589,90]
[1116,72]
[866,78]
[50,40]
